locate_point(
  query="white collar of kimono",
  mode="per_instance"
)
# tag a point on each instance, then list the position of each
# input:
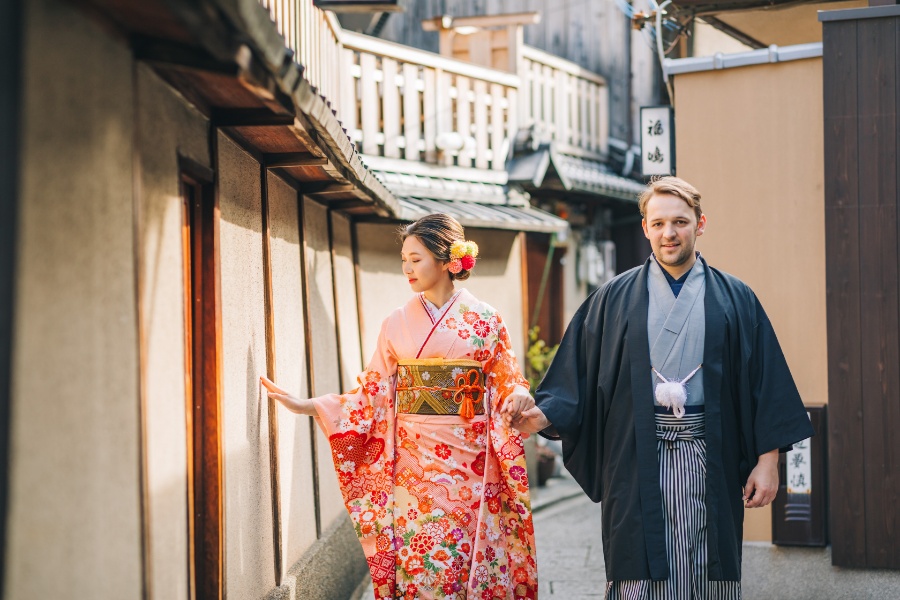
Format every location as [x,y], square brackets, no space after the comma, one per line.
[434,309]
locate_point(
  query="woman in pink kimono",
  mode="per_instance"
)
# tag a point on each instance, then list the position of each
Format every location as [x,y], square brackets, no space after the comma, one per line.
[432,474]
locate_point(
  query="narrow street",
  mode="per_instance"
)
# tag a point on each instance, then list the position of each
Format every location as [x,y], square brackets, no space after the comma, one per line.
[570,553]
[571,567]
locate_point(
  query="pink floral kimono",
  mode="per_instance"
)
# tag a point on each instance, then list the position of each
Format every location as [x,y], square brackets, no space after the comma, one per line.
[439,501]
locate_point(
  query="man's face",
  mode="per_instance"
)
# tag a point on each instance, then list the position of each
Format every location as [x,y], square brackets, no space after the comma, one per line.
[672,228]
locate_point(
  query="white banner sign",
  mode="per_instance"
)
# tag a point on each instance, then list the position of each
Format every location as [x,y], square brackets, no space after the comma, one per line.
[799,472]
[657,140]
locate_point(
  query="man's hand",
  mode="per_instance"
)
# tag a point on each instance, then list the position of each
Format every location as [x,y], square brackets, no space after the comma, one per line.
[515,404]
[762,485]
[532,420]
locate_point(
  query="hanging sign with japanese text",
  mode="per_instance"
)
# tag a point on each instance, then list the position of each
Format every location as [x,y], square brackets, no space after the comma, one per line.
[657,140]
[799,469]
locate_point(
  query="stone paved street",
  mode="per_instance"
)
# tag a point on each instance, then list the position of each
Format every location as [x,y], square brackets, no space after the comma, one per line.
[570,559]
[570,554]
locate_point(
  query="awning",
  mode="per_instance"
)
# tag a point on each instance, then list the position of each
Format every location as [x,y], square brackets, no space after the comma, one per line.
[474,197]
[570,173]
[488,216]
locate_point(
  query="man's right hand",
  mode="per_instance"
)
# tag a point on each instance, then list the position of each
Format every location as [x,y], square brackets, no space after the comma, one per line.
[532,420]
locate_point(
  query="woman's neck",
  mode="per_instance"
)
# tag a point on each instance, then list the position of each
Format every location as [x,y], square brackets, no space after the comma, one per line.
[440,294]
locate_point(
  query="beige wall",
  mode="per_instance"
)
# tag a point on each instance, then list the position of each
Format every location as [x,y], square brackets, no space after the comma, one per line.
[326,377]
[346,299]
[296,476]
[249,567]
[496,279]
[167,126]
[785,26]
[750,139]
[708,40]
[74,521]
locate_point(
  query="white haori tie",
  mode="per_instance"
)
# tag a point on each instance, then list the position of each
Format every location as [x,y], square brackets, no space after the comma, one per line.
[672,393]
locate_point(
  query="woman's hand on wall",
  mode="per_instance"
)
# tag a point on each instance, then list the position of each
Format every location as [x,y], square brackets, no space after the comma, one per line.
[292,403]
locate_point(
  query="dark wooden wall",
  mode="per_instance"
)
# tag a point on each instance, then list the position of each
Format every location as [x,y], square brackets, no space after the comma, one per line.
[861,72]
[10,89]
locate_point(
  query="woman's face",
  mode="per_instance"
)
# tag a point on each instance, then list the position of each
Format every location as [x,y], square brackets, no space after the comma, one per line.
[420,266]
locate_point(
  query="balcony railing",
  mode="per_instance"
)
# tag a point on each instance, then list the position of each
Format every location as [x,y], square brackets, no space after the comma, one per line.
[400,102]
[565,102]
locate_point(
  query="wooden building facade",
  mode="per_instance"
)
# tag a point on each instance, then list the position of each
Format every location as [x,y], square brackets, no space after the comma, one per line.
[190,210]
[861,90]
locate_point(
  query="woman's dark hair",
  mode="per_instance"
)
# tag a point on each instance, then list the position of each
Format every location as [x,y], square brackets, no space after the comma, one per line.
[437,232]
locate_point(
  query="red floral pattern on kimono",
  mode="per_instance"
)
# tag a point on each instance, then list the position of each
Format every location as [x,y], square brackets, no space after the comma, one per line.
[440,503]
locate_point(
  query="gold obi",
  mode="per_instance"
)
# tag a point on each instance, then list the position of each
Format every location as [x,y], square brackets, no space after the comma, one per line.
[436,386]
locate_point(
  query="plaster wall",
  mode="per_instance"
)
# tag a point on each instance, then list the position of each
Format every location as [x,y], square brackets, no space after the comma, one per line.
[326,377]
[346,300]
[249,567]
[74,521]
[167,127]
[496,279]
[298,509]
[750,139]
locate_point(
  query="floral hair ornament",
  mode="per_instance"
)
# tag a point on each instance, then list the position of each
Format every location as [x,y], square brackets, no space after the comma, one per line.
[462,256]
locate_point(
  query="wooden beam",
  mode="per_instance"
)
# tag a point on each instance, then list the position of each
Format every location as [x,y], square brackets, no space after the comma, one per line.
[349,204]
[734,32]
[481,22]
[293,159]
[12,53]
[249,117]
[328,188]
[173,55]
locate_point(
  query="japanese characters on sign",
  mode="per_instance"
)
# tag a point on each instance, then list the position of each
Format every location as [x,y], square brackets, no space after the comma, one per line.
[657,140]
[799,470]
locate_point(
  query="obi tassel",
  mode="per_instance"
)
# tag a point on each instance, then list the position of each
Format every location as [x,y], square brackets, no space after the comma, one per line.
[466,408]
[672,394]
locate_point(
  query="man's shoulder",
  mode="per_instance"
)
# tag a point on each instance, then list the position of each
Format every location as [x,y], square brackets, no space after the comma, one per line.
[618,284]
[624,279]
[735,288]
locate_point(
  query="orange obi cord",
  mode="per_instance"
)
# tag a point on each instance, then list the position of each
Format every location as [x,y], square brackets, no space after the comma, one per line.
[466,383]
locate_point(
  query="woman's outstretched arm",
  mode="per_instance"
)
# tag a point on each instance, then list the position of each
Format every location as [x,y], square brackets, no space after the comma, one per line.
[292,403]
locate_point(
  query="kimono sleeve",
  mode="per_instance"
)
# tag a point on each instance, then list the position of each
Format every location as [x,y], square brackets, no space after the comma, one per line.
[506,508]
[367,408]
[360,429]
[568,397]
[779,418]
[568,385]
[502,370]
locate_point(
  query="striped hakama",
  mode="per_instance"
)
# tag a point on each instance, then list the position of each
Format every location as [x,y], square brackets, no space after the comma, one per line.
[682,476]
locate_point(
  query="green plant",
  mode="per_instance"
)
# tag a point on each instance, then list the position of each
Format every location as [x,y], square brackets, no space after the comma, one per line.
[539,356]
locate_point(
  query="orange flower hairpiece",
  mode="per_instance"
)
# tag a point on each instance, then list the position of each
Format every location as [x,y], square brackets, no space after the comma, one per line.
[462,256]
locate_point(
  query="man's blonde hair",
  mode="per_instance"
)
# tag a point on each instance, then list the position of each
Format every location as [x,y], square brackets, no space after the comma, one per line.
[674,186]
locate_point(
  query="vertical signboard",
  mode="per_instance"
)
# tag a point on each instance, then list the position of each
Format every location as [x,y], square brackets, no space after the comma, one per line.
[657,140]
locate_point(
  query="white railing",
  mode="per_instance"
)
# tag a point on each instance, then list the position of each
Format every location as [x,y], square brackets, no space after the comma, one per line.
[313,36]
[399,102]
[422,106]
[564,102]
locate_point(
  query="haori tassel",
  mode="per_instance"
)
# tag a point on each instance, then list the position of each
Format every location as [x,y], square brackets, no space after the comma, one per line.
[672,394]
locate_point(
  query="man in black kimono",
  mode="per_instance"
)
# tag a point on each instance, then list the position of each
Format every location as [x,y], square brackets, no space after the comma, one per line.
[672,398]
